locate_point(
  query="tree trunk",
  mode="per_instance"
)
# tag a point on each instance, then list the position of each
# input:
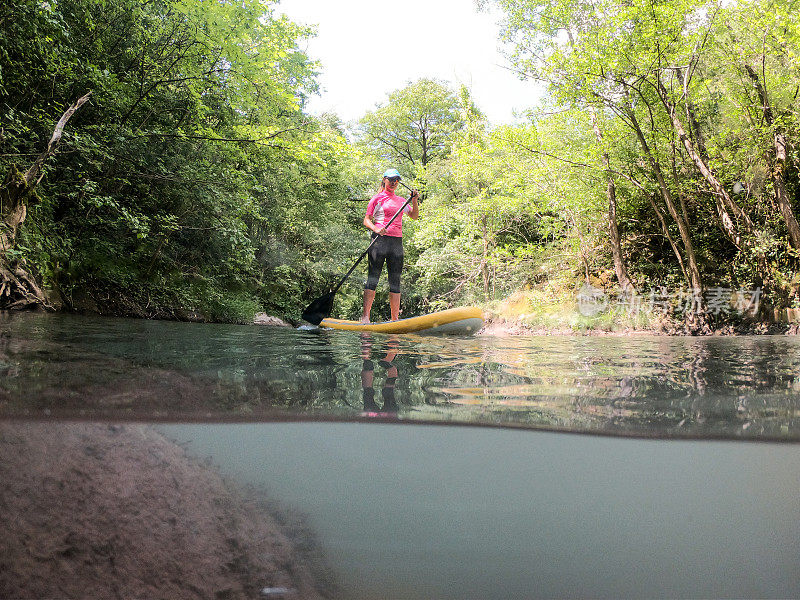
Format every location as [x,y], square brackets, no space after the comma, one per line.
[485,259]
[18,288]
[666,233]
[613,230]
[697,317]
[693,271]
[723,201]
[691,117]
[777,162]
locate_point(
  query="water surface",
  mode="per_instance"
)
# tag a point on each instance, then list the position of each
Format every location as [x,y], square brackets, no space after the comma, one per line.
[735,387]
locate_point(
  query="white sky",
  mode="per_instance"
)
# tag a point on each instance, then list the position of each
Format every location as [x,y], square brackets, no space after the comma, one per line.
[369,48]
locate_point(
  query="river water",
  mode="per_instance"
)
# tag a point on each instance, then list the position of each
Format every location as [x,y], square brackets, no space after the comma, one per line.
[729,387]
[690,489]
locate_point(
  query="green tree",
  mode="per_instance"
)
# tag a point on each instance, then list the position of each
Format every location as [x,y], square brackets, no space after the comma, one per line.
[503,205]
[601,60]
[415,125]
[193,181]
[651,66]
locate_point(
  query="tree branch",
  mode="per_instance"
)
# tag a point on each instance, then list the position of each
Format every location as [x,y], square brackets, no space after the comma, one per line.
[35,169]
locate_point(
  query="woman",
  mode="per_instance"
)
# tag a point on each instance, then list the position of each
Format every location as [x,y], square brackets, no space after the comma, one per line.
[389,248]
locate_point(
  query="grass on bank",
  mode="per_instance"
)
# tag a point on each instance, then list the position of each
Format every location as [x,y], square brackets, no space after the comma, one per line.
[558,310]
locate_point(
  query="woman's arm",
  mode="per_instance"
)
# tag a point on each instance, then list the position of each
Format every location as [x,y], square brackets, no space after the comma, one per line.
[369,223]
[414,213]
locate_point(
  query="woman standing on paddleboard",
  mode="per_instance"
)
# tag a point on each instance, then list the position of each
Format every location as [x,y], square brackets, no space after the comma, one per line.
[389,248]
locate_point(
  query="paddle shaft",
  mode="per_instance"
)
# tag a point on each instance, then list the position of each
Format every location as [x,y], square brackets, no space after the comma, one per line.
[363,254]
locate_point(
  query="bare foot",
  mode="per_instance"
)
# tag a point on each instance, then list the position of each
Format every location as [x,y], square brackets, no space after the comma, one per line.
[364,320]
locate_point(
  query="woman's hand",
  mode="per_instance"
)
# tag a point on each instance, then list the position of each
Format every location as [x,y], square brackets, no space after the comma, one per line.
[369,223]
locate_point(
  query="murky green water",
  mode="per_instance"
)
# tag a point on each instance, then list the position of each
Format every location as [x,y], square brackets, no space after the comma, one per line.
[643,385]
[421,513]
[428,511]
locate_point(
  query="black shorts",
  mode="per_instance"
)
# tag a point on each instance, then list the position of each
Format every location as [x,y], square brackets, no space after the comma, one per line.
[387,249]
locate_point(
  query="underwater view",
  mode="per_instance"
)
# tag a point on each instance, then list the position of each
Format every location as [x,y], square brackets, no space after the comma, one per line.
[204,460]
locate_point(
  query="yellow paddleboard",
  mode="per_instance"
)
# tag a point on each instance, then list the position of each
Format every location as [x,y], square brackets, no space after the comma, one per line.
[461,321]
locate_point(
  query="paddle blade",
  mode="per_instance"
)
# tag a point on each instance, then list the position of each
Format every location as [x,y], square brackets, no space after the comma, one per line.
[319,309]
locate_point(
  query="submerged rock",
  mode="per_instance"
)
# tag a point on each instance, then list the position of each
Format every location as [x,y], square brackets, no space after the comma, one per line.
[265,319]
[92,510]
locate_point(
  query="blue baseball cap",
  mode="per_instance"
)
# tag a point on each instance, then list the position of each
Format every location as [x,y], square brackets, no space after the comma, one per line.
[392,173]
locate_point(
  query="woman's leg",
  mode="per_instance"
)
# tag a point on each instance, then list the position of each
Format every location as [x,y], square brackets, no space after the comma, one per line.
[369,297]
[375,259]
[394,267]
[394,305]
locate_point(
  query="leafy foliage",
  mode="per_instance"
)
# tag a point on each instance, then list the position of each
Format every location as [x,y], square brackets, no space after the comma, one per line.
[193,161]
[415,125]
[194,182]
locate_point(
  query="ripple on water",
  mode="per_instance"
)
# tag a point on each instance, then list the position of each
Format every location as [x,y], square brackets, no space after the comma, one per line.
[729,387]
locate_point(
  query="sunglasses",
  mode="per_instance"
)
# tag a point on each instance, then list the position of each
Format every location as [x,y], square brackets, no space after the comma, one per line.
[393,179]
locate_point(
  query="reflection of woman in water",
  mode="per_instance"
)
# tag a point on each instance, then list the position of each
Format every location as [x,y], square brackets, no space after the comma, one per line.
[368,375]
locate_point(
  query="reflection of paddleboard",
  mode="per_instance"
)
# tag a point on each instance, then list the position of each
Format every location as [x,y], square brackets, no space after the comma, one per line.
[463,321]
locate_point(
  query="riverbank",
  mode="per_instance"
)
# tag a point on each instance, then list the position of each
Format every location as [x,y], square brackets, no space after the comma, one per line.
[529,314]
[500,325]
[100,510]
[537,312]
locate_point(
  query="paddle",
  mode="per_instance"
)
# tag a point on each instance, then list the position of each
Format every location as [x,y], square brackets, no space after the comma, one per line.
[321,307]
